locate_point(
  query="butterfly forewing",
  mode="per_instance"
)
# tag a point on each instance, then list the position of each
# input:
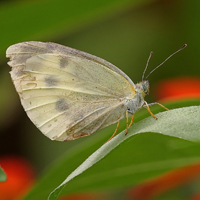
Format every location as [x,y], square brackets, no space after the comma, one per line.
[65,92]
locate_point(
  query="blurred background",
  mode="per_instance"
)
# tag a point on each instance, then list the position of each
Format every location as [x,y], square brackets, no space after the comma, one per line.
[121,32]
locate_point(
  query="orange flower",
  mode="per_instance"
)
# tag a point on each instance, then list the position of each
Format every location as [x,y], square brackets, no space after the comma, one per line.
[178,88]
[156,186]
[20,176]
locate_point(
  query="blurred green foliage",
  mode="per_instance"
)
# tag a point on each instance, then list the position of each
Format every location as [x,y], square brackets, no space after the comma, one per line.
[122,32]
[3,176]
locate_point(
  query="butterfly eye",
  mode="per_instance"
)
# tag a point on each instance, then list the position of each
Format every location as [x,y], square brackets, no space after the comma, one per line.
[147,91]
[145,87]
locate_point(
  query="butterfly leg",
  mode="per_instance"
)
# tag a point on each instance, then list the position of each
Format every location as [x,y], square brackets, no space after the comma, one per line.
[150,104]
[147,107]
[161,106]
[131,120]
[115,131]
[127,125]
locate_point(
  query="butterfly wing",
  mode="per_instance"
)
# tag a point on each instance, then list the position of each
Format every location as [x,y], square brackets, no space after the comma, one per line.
[65,92]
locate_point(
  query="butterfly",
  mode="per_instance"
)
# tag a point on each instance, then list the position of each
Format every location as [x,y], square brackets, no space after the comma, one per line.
[70,94]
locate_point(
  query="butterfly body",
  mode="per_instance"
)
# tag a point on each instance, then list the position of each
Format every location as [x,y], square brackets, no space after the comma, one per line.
[134,104]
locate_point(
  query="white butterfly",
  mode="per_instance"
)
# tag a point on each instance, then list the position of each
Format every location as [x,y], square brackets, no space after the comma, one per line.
[68,93]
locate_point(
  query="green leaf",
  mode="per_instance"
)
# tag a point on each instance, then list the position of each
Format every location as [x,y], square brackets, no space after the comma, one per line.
[3,176]
[182,123]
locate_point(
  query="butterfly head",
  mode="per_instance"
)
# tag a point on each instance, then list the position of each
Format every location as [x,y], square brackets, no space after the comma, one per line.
[143,87]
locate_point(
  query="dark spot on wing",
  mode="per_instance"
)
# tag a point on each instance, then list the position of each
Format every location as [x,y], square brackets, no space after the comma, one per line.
[63,62]
[61,105]
[51,81]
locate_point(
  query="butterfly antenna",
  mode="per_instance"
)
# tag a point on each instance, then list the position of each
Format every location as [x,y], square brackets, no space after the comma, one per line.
[185,45]
[151,53]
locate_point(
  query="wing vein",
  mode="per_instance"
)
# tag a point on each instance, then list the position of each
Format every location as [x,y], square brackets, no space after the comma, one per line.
[78,91]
